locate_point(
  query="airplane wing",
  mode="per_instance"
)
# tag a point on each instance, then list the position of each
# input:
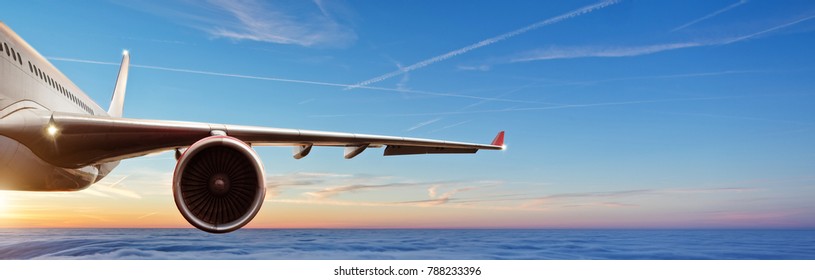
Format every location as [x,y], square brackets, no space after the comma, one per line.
[74,140]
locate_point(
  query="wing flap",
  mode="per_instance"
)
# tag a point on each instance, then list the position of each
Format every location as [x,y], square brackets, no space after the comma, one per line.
[396,150]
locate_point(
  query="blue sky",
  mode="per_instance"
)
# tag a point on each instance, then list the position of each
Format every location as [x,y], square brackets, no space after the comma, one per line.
[618,113]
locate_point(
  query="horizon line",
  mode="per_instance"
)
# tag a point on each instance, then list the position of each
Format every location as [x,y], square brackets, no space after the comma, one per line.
[441,228]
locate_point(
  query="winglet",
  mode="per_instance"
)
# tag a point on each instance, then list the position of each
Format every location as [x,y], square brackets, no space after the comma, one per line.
[499,139]
[118,101]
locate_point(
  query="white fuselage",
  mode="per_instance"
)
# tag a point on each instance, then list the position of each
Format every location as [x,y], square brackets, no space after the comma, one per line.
[29,82]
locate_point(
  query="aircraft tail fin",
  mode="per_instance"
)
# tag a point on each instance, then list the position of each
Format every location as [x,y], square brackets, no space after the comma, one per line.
[118,101]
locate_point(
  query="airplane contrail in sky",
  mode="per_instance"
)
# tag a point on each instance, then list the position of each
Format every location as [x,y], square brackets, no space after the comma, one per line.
[487,42]
[710,15]
[402,90]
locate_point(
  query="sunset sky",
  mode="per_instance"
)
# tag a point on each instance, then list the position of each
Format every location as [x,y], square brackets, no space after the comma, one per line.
[619,114]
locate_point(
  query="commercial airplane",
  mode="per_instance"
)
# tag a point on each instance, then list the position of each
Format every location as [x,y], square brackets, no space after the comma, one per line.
[53,137]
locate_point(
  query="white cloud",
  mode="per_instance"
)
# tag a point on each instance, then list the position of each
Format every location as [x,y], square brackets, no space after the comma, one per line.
[267,22]
[333,191]
[439,199]
[294,22]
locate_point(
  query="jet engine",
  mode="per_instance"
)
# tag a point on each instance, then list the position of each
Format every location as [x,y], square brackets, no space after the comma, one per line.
[219,184]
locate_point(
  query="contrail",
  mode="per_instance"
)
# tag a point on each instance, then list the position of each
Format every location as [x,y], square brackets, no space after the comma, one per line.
[713,14]
[450,126]
[419,125]
[201,72]
[189,71]
[566,106]
[669,76]
[581,52]
[742,38]
[487,42]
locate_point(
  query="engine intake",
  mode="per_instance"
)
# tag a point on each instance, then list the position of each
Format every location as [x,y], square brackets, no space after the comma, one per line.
[219,184]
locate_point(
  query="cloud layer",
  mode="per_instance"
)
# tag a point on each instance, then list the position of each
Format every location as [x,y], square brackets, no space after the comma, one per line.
[372,244]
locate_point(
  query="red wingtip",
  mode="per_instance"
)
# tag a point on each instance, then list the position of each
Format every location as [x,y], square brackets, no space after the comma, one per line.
[499,139]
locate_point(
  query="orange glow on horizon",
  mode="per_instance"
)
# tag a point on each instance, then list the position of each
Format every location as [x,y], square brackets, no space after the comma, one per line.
[3,203]
[133,202]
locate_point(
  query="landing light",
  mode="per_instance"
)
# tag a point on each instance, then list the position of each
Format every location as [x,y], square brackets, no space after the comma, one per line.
[125,52]
[52,130]
[504,147]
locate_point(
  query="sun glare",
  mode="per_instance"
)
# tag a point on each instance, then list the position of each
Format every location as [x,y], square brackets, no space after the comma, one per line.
[52,130]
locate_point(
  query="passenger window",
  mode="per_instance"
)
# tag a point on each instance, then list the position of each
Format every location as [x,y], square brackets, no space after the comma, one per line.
[20,59]
[30,68]
[13,54]
[7,52]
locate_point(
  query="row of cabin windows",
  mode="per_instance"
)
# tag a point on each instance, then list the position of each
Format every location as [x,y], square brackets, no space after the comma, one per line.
[14,55]
[45,78]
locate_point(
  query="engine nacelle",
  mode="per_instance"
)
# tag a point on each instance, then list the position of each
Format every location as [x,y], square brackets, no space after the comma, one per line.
[219,184]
